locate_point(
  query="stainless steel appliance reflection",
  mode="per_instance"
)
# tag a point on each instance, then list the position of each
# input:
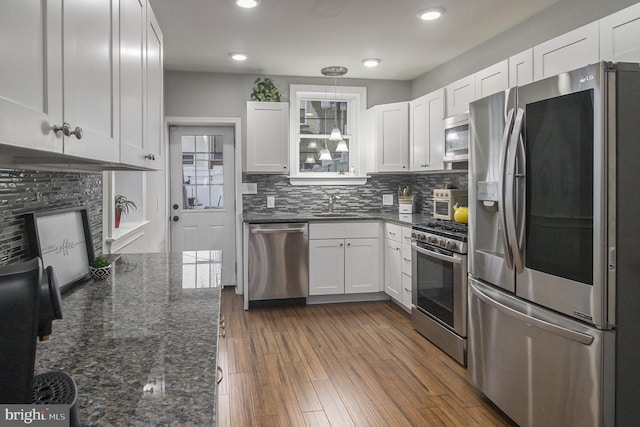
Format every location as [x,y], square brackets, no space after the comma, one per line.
[553,318]
[439,285]
[278,262]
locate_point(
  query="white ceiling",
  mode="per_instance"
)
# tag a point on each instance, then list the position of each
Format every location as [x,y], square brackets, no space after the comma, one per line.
[300,37]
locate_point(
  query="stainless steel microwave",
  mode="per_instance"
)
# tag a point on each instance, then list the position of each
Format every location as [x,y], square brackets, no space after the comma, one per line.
[456,138]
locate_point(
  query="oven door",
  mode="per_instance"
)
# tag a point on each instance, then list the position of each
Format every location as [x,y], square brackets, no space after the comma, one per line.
[439,282]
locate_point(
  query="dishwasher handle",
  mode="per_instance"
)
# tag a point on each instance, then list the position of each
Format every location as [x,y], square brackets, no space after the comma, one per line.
[278,230]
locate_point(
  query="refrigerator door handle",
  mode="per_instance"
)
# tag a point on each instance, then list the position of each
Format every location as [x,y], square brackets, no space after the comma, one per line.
[508,256]
[577,336]
[510,181]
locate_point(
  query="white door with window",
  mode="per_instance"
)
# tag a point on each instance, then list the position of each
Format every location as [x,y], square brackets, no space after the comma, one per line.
[202,193]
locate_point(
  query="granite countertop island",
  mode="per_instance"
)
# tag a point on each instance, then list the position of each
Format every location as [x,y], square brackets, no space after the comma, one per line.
[142,344]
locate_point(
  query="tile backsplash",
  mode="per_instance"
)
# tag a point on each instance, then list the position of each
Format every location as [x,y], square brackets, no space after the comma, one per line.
[24,191]
[360,198]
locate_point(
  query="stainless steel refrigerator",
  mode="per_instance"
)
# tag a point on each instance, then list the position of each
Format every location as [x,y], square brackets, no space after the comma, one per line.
[554,298]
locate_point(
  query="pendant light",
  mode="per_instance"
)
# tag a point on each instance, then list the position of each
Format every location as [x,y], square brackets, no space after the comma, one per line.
[310,159]
[342,146]
[335,72]
[325,154]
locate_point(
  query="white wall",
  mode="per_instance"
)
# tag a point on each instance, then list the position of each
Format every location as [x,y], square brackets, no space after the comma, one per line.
[564,16]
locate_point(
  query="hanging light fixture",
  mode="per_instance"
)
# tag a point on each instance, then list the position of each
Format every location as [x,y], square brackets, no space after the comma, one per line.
[325,154]
[310,159]
[342,146]
[312,145]
[335,72]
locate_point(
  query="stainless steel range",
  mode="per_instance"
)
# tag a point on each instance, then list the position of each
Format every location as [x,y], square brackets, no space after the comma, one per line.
[439,285]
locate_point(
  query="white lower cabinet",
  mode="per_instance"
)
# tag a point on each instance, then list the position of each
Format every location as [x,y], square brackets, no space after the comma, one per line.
[406,268]
[346,261]
[393,261]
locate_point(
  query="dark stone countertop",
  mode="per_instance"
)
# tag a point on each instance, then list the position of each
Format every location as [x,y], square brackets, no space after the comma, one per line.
[142,344]
[400,219]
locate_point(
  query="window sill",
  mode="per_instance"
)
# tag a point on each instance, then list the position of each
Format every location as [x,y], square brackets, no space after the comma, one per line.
[124,235]
[329,180]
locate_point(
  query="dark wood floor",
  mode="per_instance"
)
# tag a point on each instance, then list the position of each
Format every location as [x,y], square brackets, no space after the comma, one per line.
[354,364]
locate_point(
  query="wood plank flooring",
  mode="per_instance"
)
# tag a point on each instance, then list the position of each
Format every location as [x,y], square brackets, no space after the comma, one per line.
[352,364]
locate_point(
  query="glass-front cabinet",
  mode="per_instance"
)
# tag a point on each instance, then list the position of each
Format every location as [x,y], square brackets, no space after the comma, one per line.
[325,130]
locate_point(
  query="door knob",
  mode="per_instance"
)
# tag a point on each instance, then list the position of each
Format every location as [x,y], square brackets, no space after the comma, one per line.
[175,206]
[175,218]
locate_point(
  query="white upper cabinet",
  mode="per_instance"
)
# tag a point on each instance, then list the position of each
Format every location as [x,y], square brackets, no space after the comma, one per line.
[426,133]
[521,68]
[140,86]
[459,94]
[31,74]
[154,106]
[132,63]
[492,79]
[392,137]
[620,35]
[267,137]
[91,78]
[567,52]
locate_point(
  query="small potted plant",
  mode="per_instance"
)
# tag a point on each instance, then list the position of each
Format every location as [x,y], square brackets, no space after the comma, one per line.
[265,90]
[100,268]
[123,206]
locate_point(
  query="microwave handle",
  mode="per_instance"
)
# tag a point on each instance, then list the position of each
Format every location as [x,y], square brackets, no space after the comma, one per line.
[508,257]
[510,193]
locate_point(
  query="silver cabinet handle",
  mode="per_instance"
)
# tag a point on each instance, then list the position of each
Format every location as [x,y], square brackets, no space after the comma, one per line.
[406,259]
[66,130]
[219,380]
[407,290]
[150,156]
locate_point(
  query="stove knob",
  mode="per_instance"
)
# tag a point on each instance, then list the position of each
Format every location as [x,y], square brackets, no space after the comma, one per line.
[431,239]
[414,235]
[442,243]
[451,245]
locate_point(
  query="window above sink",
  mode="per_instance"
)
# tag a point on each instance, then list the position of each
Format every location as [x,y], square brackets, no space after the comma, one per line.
[315,158]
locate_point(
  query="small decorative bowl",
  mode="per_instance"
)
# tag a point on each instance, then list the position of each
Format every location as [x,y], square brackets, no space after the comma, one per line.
[100,273]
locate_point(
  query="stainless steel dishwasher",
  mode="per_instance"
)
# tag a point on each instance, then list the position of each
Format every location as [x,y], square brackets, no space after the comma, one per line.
[278,262]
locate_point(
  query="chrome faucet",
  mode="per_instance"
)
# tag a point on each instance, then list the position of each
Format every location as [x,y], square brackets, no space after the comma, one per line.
[332,200]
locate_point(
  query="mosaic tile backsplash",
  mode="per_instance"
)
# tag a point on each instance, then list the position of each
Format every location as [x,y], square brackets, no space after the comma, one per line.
[360,198]
[23,192]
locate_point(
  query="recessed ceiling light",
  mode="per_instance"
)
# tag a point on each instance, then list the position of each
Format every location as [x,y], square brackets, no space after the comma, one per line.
[371,62]
[430,14]
[248,4]
[238,56]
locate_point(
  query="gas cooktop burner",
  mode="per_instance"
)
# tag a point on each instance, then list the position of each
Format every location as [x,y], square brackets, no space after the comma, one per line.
[443,227]
[444,234]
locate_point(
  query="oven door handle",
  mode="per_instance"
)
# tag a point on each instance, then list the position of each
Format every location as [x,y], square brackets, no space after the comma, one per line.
[454,259]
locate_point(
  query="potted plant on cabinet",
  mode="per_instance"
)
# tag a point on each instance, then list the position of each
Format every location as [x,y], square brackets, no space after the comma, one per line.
[123,206]
[100,268]
[265,90]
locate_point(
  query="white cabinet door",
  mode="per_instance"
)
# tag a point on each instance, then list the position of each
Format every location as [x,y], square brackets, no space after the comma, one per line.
[392,123]
[132,67]
[567,52]
[521,68]
[154,147]
[620,35]
[267,136]
[393,269]
[361,266]
[31,74]
[91,78]
[426,133]
[459,94]
[326,266]
[492,79]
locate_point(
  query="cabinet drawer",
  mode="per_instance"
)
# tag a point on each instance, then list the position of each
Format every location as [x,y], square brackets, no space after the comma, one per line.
[344,230]
[406,235]
[406,259]
[393,232]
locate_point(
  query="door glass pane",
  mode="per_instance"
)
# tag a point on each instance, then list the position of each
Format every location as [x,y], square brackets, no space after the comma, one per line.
[559,181]
[202,172]
[312,148]
[435,287]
